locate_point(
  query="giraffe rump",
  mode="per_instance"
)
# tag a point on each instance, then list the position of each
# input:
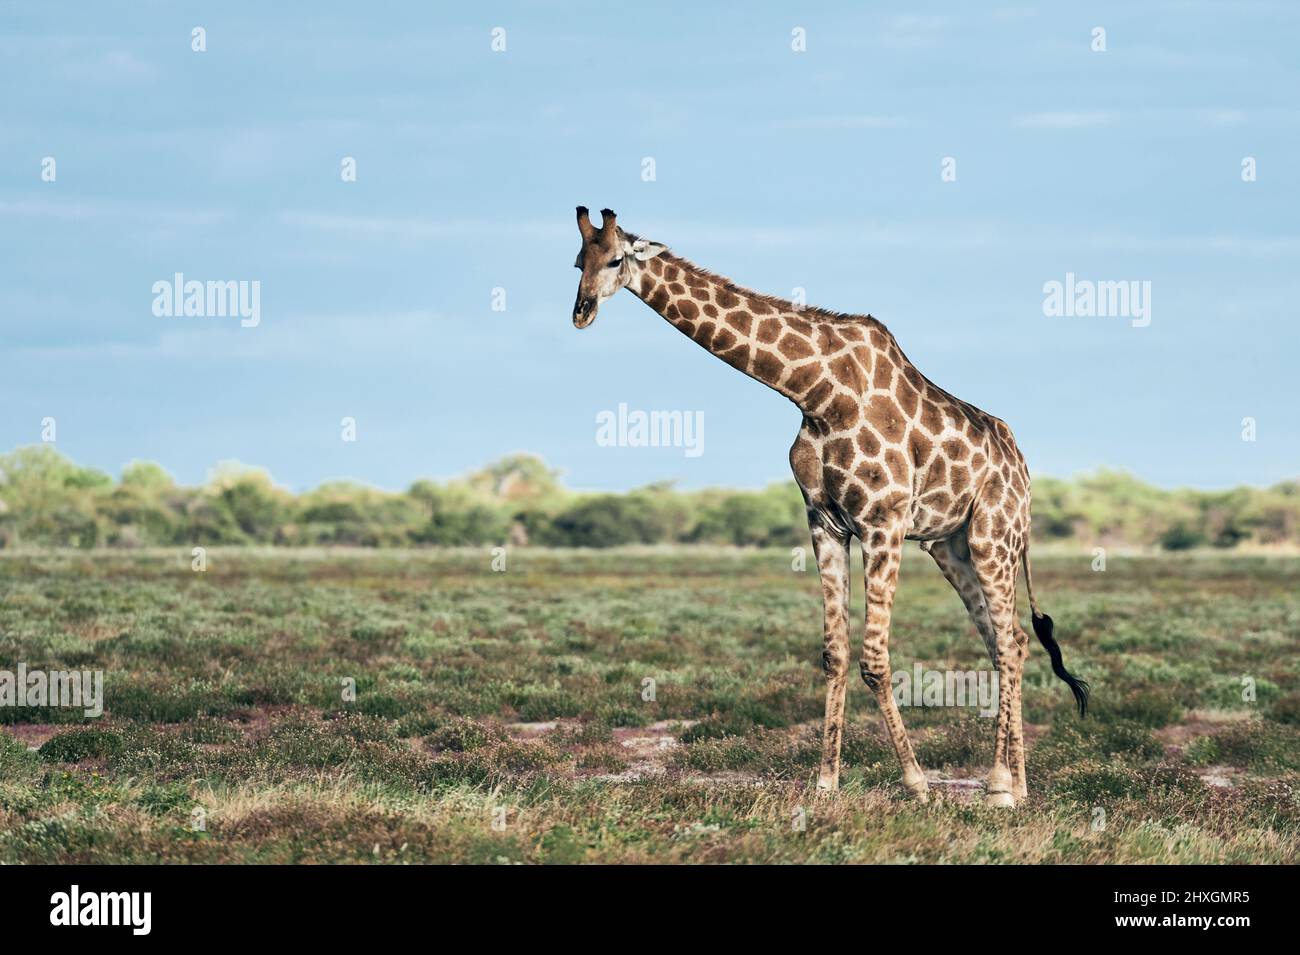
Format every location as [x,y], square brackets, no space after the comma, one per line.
[1043,630]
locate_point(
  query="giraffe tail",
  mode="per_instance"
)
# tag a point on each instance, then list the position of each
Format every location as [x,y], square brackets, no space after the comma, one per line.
[1043,627]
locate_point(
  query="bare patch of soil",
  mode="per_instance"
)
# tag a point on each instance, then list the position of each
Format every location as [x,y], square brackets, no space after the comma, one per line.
[526,731]
[35,735]
[1221,777]
[255,722]
[954,789]
[648,748]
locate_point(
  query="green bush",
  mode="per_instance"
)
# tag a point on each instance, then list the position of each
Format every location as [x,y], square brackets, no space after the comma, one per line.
[46,500]
[607,520]
[76,745]
[1181,537]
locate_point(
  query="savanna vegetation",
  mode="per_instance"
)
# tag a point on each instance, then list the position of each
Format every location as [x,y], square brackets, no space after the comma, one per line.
[48,501]
[635,704]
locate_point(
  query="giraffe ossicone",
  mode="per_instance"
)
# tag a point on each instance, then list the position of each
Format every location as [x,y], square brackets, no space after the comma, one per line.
[883,455]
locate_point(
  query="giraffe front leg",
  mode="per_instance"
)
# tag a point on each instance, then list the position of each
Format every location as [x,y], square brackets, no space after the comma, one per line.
[833,566]
[882,552]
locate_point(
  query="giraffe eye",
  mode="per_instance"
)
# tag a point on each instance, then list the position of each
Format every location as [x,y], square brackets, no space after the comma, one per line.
[616,263]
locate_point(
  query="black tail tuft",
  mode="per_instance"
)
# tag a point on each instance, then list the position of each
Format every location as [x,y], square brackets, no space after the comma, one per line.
[1043,630]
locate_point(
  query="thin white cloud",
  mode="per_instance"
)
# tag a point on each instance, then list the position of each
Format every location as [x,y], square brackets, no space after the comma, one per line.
[82,58]
[894,235]
[53,207]
[1014,14]
[91,67]
[121,63]
[847,121]
[249,153]
[422,229]
[913,31]
[1065,120]
[311,338]
[1194,244]
[1222,117]
[1213,116]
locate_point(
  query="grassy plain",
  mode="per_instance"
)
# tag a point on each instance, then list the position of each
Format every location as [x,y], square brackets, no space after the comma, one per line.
[501,716]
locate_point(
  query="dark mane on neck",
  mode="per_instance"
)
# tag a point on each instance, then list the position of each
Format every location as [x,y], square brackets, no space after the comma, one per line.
[808,312]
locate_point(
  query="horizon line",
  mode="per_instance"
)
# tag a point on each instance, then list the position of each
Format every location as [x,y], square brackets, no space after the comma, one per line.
[238,467]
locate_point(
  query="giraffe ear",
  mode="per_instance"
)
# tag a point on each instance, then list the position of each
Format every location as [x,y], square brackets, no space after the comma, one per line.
[643,249]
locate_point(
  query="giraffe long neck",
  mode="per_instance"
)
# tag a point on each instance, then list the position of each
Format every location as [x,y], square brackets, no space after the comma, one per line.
[771,341]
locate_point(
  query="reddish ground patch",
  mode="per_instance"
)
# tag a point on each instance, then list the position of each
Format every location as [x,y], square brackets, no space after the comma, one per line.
[1176,739]
[527,731]
[33,734]
[648,748]
[256,722]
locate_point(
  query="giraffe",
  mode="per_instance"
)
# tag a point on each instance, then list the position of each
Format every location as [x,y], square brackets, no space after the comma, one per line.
[883,455]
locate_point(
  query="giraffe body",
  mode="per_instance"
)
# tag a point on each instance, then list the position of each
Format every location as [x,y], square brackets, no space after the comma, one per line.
[883,455]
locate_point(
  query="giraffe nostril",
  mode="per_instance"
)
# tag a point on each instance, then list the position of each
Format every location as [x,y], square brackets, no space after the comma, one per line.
[584,311]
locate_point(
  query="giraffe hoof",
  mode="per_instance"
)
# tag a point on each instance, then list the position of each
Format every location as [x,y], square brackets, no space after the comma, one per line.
[1003,800]
[920,791]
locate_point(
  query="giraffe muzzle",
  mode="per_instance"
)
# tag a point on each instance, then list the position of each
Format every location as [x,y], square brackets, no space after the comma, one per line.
[584,312]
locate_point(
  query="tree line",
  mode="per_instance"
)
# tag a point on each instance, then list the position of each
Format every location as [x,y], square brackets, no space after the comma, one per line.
[46,500]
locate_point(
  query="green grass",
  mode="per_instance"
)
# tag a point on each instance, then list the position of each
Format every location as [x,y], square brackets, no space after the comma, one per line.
[225,703]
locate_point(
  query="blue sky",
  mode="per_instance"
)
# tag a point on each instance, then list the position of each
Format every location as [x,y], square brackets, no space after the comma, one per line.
[817,169]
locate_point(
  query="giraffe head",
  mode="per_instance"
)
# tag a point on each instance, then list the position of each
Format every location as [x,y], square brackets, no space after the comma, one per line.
[609,259]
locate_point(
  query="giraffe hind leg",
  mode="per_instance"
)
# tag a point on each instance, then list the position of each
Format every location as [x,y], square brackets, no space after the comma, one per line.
[953,557]
[952,554]
[995,558]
